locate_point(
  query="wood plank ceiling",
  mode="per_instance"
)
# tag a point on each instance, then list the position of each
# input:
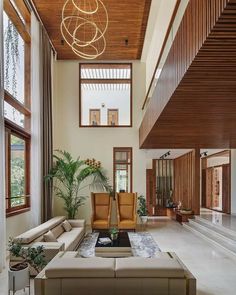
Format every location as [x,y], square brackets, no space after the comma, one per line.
[127,20]
[194,103]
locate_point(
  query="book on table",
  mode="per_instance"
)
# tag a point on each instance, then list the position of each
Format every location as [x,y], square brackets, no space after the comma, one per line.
[104,240]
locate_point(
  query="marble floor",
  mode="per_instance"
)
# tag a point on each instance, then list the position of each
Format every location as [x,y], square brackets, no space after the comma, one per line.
[214,269]
[226,220]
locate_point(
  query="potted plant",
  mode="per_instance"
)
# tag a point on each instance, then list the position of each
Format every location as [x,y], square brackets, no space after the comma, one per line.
[114,233]
[73,175]
[142,209]
[18,274]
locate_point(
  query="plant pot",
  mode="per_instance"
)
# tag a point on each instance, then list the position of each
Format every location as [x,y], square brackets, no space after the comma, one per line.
[144,219]
[18,279]
[114,236]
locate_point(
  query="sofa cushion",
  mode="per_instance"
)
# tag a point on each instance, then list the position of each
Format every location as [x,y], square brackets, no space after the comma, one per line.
[49,237]
[71,238]
[134,267]
[93,267]
[58,230]
[36,232]
[66,225]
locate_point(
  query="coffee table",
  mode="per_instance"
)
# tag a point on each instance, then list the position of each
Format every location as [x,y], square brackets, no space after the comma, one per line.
[120,247]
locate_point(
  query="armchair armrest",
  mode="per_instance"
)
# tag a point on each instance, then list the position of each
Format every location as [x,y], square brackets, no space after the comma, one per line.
[77,222]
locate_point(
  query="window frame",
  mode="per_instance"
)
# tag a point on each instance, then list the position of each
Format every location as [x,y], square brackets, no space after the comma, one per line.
[11,128]
[131,94]
[123,149]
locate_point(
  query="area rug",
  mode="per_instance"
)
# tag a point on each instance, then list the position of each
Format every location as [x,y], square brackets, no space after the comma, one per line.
[142,244]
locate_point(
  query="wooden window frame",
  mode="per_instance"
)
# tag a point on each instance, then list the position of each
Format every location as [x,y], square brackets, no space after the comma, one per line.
[123,149]
[81,81]
[12,128]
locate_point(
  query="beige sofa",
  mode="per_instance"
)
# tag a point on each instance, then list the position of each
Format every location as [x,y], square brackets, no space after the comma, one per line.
[68,274]
[66,241]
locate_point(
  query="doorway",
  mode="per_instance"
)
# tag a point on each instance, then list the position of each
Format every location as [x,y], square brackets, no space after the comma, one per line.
[216,182]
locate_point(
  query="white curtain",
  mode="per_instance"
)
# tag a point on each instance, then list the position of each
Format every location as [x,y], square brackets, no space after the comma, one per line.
[36,110]
[2,157]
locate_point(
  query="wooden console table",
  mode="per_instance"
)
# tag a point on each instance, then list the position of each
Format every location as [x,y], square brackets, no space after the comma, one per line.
[183,217]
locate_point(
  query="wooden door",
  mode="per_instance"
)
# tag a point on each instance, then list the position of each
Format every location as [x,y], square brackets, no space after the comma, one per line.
[113,117]
[94,117]
[209,180]
[226,194]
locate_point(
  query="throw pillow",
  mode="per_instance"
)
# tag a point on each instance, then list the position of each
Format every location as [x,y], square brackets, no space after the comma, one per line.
[49,237]
[66,225]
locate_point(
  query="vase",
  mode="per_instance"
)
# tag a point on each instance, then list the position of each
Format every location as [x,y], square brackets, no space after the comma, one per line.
[114,236]
[144,219]
[18,279]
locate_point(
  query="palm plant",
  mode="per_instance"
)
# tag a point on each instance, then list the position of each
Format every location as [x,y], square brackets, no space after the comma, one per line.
[71,176]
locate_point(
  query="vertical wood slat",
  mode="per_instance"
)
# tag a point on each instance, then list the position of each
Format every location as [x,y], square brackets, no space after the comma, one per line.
[187,180]
[197,24]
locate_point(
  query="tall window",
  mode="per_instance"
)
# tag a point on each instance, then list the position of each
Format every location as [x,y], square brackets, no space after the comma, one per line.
[108,88]
[122,176]
[16,26]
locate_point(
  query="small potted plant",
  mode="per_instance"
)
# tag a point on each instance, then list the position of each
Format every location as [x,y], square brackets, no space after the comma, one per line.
[114,233]
[142,209]
[31,257]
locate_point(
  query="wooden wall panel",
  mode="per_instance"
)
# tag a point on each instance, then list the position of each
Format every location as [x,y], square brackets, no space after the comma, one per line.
[187,180]
[150,194]
[194,102]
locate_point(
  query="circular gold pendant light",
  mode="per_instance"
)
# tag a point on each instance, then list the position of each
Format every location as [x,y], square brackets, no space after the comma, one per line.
[83,26]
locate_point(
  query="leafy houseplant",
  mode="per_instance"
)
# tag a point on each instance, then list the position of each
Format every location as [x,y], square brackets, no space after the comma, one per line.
[142,208]
[114,233]
[71,176]
[32,256]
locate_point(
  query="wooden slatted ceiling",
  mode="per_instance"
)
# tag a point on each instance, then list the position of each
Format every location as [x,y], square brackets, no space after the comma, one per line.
[194,103]
[127,20]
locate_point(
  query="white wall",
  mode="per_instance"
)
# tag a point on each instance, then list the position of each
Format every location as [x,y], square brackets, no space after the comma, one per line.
[18,224]
[217,161]
[233,181]
[112,99]
[160,15]
[95,143]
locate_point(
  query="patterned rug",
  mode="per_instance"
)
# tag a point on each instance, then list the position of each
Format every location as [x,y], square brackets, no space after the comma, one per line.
[142,244]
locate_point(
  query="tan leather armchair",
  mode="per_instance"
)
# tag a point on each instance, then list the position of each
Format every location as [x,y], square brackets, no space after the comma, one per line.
[126,204]
[101,214]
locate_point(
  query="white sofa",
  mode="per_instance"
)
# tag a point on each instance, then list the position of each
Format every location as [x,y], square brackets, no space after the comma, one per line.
[68,274]
[66,241]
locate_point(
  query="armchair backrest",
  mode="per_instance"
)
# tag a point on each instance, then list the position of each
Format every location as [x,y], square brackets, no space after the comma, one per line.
[126,205]
[101,205]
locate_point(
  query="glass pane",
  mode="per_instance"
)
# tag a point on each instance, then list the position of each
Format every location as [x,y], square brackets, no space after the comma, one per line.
[122,157]
[17,171]
[14,57]
[105,97]
[13,115]
[122,174]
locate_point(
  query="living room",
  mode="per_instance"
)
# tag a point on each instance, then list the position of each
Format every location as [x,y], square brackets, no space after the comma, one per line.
[125,109]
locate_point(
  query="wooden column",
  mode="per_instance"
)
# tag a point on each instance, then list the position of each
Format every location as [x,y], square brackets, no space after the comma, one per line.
[196,182]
